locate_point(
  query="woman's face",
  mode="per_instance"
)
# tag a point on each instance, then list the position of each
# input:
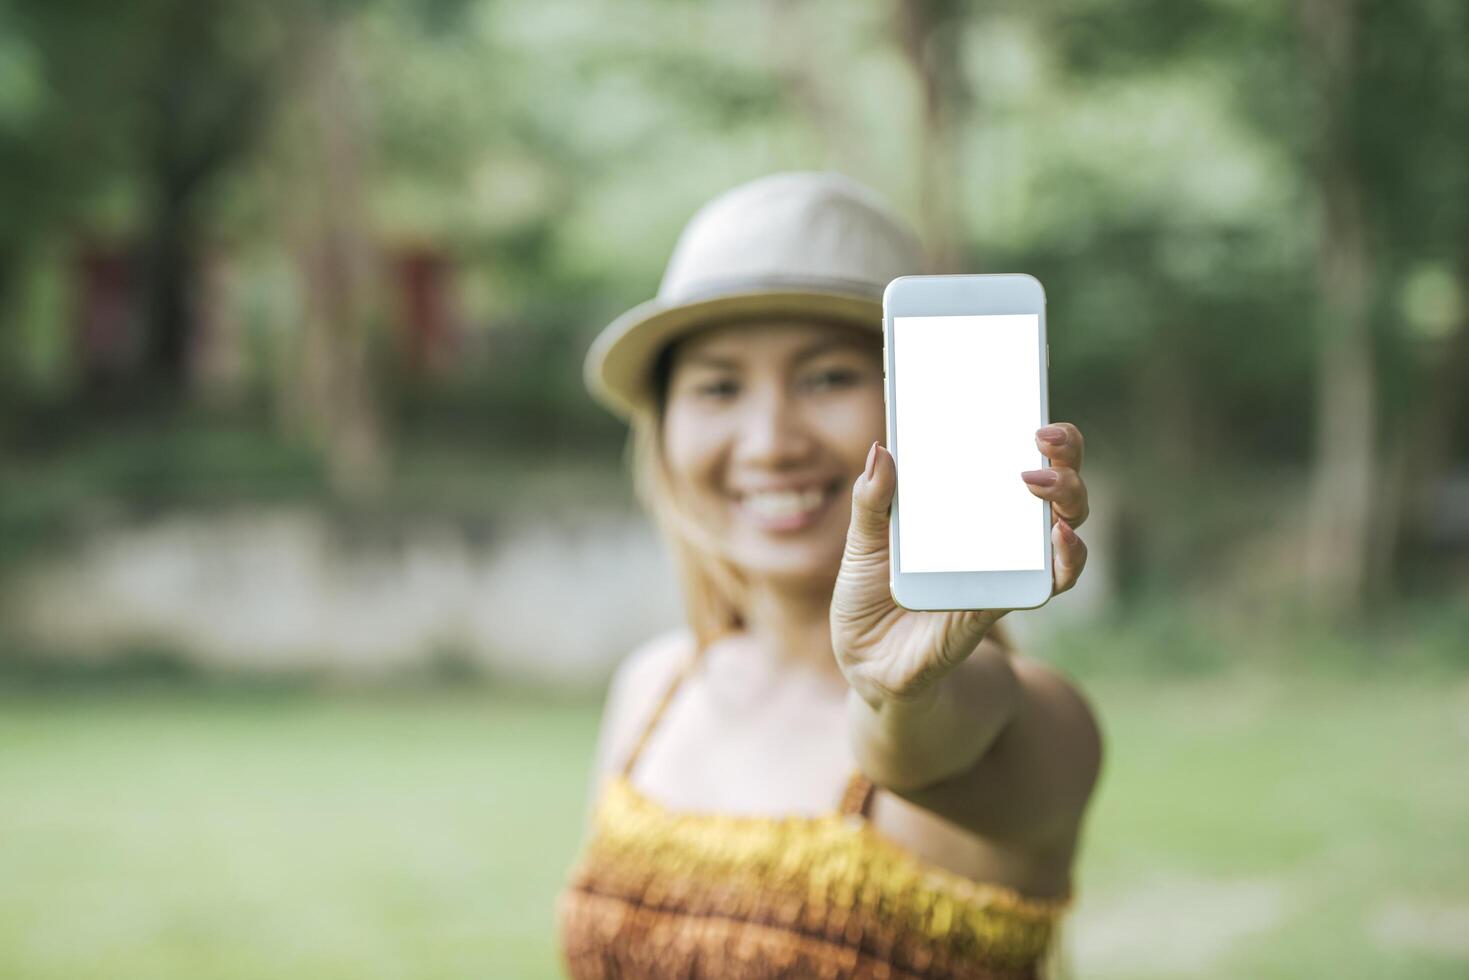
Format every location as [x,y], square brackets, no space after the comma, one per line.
[767,425]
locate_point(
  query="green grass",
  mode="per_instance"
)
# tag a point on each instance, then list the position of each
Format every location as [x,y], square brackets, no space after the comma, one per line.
[163,836]
[1250,825]
[1292,820]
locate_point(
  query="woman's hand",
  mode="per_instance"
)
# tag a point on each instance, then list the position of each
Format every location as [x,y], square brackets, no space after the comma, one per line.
[889,653]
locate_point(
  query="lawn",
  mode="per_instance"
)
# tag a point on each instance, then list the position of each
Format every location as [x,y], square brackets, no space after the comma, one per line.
[1245,826]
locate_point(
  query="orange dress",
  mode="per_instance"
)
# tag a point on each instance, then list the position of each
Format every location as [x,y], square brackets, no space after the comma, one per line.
[661,893]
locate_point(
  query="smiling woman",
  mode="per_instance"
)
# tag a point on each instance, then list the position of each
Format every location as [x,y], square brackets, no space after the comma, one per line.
[764,425]
[827,784]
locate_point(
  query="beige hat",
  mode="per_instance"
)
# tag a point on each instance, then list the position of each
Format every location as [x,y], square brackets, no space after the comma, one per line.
[790,244]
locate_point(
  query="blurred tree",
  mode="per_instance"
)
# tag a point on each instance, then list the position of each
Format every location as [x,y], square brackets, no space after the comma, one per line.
[203,91]
[1411,115]
[157,99]
[1391,163]
[58,151]
[1167,233]
[931,33]
[331,393]
[1360,100]
[1251,219]
[1347,410]
[802,60]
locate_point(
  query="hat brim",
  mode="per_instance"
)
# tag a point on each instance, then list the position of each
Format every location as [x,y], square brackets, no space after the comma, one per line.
[620,360]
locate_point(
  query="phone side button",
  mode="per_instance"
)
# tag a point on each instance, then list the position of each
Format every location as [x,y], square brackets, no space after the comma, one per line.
[1048,355]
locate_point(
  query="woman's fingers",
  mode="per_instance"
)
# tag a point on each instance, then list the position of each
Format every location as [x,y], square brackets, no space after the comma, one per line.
[1064,488]
[1061,484]
[1061,443]
[872,496]
[863,598]
[1068,554]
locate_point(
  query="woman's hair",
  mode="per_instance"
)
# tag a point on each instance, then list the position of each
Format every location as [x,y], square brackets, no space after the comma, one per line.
[714,590]
[712,586]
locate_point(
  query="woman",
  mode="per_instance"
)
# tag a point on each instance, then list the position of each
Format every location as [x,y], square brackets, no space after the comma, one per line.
[810,780]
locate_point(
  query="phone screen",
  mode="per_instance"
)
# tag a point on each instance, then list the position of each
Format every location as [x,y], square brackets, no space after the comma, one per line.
[966,406]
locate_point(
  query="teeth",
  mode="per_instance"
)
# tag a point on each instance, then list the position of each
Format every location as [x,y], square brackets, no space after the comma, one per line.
[785,503]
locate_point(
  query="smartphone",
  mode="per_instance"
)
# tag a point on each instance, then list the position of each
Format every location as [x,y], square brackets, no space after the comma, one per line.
[965,360]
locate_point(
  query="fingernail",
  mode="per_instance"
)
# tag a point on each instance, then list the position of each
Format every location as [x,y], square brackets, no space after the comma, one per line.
[1039,478]
[871,467]
[1053,434]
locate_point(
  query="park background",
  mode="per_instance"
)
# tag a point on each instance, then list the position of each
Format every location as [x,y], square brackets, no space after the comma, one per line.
[315,556]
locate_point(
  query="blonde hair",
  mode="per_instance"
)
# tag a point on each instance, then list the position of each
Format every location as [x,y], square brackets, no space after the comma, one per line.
[713,588]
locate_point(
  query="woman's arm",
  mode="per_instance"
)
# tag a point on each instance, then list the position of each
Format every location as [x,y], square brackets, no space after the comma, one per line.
[905,744]
[1005,747]
[939,712]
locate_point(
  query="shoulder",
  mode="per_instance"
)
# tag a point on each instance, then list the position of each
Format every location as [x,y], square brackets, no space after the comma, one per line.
[1049,756]
[637,684]
[1062,702]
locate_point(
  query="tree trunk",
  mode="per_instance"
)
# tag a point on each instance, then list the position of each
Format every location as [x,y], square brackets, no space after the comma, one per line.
[168,292]
[931,32]
[1341,495]
[796,38]
[333,399]
[207,105]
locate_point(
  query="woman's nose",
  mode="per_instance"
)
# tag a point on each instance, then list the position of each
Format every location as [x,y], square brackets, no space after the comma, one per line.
[772,432]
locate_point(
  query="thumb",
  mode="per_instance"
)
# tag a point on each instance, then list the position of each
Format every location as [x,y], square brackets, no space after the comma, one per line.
[872,496]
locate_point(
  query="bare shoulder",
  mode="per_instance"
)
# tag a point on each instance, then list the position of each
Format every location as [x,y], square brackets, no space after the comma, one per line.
[1047,759]
[639,681]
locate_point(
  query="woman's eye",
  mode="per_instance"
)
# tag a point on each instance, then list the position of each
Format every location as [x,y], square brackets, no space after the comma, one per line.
[716,389]
[832,378]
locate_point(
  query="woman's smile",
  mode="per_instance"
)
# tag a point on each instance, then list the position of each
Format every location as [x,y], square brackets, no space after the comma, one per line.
[786,509]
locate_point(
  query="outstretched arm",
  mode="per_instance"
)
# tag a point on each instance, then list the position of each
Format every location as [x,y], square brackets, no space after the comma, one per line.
[942,715]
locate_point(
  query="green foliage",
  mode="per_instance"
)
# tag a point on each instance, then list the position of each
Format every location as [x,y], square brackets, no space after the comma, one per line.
[1151,162]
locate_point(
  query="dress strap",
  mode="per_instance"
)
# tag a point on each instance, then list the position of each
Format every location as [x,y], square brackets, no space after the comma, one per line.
[857,797]
[683,671]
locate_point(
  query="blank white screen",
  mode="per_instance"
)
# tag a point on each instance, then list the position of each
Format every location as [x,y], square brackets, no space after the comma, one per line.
[967,404]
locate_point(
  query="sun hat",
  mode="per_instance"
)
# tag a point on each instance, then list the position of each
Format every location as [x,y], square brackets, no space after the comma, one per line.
[805,244]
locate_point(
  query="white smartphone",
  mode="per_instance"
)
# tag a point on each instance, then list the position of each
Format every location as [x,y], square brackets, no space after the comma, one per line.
[965,360]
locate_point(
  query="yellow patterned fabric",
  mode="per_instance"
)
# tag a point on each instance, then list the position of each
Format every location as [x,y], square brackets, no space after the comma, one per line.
[664,893]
